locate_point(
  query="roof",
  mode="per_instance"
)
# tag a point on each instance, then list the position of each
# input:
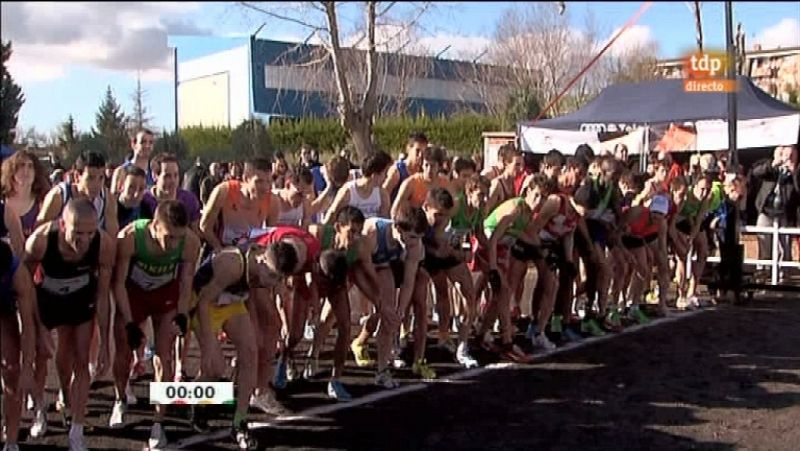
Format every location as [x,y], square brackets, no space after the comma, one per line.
[665,101]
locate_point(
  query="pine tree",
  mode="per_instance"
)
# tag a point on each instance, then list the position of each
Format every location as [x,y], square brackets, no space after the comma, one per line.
[139,119]
[68,136]
[110,127]
[11,98]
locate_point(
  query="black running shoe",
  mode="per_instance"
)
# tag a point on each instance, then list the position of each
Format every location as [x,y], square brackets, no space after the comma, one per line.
[241,436]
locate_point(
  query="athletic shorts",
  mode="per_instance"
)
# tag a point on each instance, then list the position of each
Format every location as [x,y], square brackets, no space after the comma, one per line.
[526,252]
[434,264]
[156,302]
[478,252]
[218,314]
[553,252]
[635,242]
[598,231]
[55,311]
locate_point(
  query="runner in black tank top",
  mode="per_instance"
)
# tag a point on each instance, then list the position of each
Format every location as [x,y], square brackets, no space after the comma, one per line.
[73,260]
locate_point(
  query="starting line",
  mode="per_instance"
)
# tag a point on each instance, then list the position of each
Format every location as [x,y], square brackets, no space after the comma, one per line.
[310,413]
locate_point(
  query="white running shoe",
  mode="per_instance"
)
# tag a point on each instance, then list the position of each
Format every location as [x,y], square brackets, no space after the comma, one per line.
[39,426]
[158,439]
[384,379]
[92,372]
[541,341]
[267,403]
[130,398]
[60,403]
[463,357]
[117,418]
[31,404]
[76,442]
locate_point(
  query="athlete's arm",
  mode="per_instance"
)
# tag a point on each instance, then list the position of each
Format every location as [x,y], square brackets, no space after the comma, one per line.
[36,246]
[15,234]
[341,199]
[365,265]
[208,222]
[494,195]
[323,200]
[411,266]
[392,178]
[386,204]
[191,251]
[112,222]
[26,304]
[51,206]
[402,197]
[104,270]
[503,224]
[306,214]
[116,180]
[274,211]
[125,249]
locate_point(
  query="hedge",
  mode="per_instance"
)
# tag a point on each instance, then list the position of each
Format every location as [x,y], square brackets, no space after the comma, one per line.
[460,134]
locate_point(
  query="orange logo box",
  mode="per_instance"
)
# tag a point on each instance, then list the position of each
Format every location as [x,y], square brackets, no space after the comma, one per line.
[706,71]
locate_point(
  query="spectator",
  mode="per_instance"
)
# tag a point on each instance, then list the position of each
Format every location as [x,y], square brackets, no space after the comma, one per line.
[212,179]
[778,198]
[194,176]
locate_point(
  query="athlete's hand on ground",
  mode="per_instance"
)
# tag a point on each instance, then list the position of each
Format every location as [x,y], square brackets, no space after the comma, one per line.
[135,335]
[182,322]
[494,280]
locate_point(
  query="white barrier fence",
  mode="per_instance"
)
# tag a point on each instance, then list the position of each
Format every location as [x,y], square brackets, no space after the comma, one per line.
[775,263]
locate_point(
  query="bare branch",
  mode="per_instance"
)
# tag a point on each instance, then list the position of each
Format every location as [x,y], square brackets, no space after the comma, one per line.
[385,10]
[280,16]
[368,103]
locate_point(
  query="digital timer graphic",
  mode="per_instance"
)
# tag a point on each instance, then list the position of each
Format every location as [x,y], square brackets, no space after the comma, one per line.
[188,393]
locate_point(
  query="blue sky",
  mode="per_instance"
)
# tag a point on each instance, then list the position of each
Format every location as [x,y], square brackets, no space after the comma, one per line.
[67,54]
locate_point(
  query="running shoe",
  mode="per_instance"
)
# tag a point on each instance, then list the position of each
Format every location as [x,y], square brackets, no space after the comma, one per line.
[10,447]
[404,340]
[464,358]
[384,379]
[198,419]
[292,373]
[569,335]
[337,391]
[241,435]
[309,331]
[590,326]
[556,325]
[423,370]
[542,342]
[117,418]
[638,315]
[447,345]
[60,403]
[311,368]
[361,355]
[682,303]
[532,331]
[693,303]
[130,398]
[515,354]
[158,439]
[76,442]
[39,426]
[611,322]
[281,379]
[267,403]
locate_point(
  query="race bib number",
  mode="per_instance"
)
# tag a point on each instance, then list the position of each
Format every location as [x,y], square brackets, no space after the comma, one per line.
[65,287]
[229,298]
[149,282]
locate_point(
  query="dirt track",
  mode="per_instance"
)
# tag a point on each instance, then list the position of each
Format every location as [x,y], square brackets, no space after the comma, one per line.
[722,379]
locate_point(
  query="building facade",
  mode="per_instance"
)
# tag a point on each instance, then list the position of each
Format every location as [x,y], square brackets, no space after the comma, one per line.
[267,79]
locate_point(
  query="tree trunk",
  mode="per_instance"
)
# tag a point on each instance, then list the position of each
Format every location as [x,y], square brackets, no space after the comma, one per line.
[361,133]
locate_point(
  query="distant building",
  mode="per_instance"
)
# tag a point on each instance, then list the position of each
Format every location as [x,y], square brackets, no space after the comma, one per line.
[266,79]
[776,71]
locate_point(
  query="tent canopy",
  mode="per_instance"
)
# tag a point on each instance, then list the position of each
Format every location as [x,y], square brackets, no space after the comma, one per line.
[665,101]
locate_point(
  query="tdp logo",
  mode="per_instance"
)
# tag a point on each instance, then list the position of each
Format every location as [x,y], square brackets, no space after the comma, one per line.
[706,65]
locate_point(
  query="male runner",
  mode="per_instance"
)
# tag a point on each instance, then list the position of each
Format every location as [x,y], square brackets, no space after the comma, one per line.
[167,176]
[17,296]
[152,279]
[401,170]
[73,258]
[141,145]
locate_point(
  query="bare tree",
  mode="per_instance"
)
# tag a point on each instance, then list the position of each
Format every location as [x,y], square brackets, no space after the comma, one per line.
[355,73]
[139,118]
[543,51]
[633,65]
